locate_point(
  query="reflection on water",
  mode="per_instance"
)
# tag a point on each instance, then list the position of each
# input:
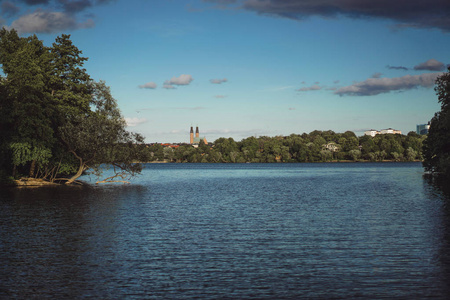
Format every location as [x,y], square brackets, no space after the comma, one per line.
[439,188]
[439,184]
[231,231]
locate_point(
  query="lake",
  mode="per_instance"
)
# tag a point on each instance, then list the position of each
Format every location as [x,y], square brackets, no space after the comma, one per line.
[231,231]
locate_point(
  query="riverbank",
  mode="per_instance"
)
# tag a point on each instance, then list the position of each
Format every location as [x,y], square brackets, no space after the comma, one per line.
[330,161]
[33,182]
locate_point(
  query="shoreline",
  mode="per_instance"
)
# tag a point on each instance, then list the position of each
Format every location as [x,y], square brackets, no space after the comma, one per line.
[35,182]
[294,162]
[38,182]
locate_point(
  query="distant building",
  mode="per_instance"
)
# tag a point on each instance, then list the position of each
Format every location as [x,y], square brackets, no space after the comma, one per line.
[333,147]
[371,132]
[374,132]
[165,145]
[390,131]
[423,128]
[196,140]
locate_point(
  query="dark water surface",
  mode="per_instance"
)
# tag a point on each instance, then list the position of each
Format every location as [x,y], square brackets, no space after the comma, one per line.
[242,231]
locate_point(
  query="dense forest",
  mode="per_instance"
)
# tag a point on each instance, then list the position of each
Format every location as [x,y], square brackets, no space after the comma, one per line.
[317,146]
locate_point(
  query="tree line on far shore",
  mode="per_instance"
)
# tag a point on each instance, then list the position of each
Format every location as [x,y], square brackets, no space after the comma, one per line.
[317,146]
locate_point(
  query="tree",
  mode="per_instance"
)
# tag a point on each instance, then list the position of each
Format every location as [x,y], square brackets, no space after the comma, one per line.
[225,147]
[249,148]
[326,155]
[410,154]
[437,144]
[69,83]
[99,137]
[355,154]
[25,62]
[168,153]
[54,120]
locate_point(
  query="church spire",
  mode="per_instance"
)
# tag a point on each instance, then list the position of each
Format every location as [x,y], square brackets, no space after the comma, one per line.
[197,134]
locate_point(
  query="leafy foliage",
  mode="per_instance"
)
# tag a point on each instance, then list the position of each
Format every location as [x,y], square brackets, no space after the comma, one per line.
[437,145]
[317,146]
[55,121]
[99,137]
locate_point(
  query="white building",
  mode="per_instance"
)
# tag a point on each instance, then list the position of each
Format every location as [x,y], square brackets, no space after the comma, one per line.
[374,132]
[371,132]
[390,131]
[333,147]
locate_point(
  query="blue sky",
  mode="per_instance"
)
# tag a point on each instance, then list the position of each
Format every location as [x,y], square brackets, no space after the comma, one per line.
[254,67]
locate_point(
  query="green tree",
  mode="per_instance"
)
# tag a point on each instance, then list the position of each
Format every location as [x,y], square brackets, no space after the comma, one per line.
[411,154]
[294,143]
[25,62]
[99,137]
[437,144]
[225,146]
[326,155]
[215,156]
[168,153]
[368,146]
[249,148]
[397,148]
[355,154]
[69,83]
[415,142]
[50,108]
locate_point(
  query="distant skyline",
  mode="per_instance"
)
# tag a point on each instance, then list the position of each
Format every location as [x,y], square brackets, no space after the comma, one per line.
[240,68]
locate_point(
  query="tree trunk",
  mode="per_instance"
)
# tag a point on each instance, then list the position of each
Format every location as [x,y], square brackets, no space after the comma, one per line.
[32,168]
[80,169]
[78,174]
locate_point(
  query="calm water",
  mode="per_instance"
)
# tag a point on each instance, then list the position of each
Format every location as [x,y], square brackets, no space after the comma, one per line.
[231,231]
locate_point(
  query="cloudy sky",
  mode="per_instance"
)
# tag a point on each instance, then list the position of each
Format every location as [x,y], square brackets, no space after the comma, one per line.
[239,68]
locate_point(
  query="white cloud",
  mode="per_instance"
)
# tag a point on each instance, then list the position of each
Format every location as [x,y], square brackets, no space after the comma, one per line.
[218,81]
[48,22]
[168,86]
[430,65]
[131,122]
[183,79]
[310,88]
[191,108]
[397,68]
[375,86]
[148,85]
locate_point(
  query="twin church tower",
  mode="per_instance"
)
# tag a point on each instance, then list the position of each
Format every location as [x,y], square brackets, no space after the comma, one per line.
[197,138]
